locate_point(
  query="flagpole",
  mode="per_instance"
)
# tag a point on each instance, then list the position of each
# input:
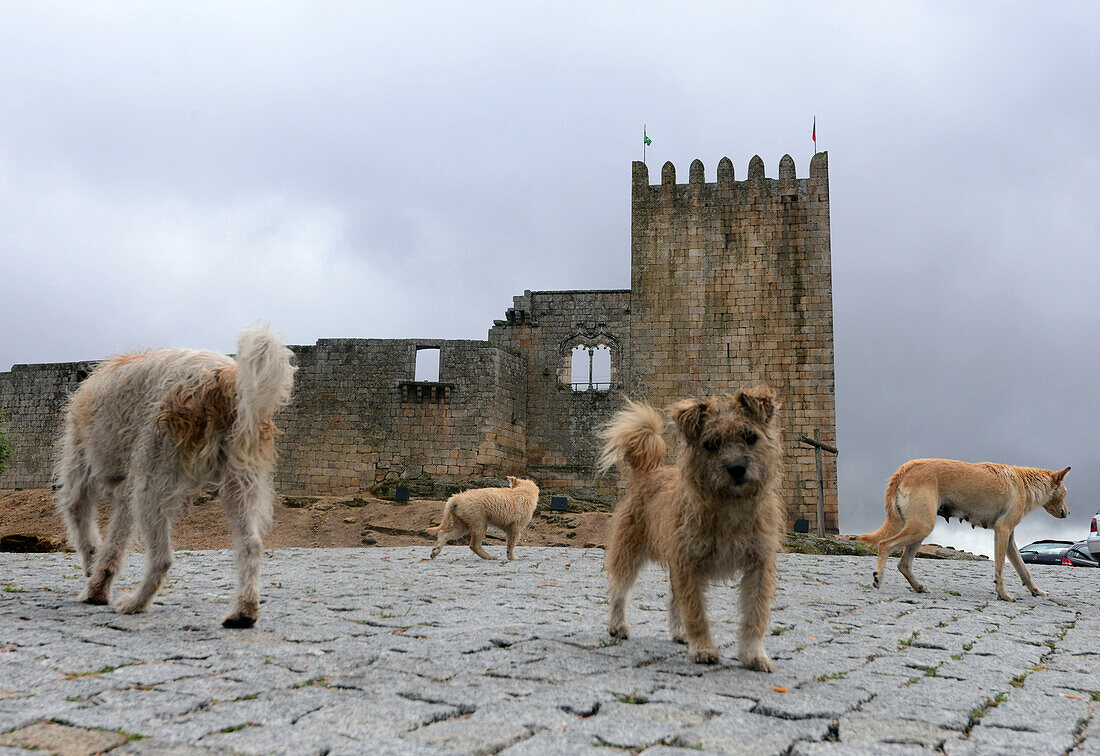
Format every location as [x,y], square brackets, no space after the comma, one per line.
[643,143]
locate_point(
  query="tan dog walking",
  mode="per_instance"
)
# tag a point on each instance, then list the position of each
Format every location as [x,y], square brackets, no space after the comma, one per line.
[716,513]
[509,509]
[986,494]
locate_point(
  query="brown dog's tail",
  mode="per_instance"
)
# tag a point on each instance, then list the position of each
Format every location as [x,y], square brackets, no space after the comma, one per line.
[893,514]
[448,518]
[633,440]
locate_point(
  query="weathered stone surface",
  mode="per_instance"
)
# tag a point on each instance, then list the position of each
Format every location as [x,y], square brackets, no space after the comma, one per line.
[451,658]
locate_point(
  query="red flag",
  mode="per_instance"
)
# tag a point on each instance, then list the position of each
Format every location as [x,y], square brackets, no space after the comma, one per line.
[814,135]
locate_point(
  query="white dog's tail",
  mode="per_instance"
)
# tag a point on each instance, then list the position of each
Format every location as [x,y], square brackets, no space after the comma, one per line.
[265,379]
[633,439]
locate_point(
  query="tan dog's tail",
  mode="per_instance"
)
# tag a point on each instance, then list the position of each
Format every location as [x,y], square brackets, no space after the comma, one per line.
[894,520]
[633,439]
[448,518]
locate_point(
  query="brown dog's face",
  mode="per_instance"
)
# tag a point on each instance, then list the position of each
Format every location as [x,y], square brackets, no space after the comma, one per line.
[1056,505]
[732,440]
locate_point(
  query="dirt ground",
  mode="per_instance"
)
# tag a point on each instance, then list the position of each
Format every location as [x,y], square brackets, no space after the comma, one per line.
[343,521]
[313,522]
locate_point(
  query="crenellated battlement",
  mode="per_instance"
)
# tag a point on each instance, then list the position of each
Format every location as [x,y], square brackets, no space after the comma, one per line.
[817,183]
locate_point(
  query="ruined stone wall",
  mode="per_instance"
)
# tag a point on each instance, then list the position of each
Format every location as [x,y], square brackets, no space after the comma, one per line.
[562,422]
[358,418]
[731,284]
[32,404]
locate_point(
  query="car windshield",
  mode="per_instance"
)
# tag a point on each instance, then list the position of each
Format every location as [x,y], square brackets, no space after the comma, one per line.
[1046,548]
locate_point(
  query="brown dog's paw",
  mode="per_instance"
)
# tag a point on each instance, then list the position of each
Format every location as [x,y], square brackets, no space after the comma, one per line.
[435,552]
[704,656]
[97,599]
[129,604]
[759,663]
[1038,592]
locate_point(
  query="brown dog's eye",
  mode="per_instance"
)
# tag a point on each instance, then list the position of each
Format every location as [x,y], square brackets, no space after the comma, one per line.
[712,444]
[749,438]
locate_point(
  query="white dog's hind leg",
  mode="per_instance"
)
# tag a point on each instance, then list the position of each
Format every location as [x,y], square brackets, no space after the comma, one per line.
[248,506]
[111,555]
[155,512]
[77,501]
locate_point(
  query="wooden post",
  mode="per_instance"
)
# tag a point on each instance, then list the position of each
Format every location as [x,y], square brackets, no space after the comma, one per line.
[819,446]
[820,485]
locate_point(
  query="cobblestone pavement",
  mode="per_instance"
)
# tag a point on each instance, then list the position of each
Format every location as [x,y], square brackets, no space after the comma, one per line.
[381,651]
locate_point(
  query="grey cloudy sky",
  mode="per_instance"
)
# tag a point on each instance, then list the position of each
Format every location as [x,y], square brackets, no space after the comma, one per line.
[169,173]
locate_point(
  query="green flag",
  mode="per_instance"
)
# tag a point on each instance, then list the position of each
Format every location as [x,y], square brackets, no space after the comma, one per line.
[645,139]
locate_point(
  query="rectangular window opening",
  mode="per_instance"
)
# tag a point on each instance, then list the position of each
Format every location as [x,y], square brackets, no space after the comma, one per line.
[427,365]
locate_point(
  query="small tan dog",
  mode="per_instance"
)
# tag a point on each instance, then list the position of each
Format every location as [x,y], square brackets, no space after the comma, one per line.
[509,509]
[716,513]
[987,494]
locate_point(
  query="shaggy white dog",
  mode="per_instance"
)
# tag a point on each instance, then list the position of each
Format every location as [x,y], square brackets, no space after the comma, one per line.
[153,430]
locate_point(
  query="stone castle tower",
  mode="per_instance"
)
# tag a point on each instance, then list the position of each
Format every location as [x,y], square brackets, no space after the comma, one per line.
[730,285]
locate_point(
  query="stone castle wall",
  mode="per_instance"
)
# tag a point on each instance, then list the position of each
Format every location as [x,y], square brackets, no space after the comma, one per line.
[32,404]
[731,285]
[545,326]
[358,418]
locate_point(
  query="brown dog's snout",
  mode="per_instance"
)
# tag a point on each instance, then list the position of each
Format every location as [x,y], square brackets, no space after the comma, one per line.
[737,472]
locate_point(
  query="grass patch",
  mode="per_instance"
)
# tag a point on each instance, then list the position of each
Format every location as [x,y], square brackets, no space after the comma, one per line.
[321,681]
[905,643]
[100,671]
[633,697]
[780,630]
[832,676]
[234,728]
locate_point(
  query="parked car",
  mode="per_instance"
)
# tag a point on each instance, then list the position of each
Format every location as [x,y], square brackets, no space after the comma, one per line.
[1094,538]
[1066,553]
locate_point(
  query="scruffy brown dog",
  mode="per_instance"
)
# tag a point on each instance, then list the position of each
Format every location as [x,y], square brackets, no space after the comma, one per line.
[510,509]
[716,513]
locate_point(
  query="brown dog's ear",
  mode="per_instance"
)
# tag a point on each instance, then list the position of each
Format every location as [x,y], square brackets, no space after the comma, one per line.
[689,416]
[759,402]
[1058,476]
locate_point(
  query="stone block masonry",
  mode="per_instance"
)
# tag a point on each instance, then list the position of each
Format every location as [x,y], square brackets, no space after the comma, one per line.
[731,284]
[32,398]
[358,418]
